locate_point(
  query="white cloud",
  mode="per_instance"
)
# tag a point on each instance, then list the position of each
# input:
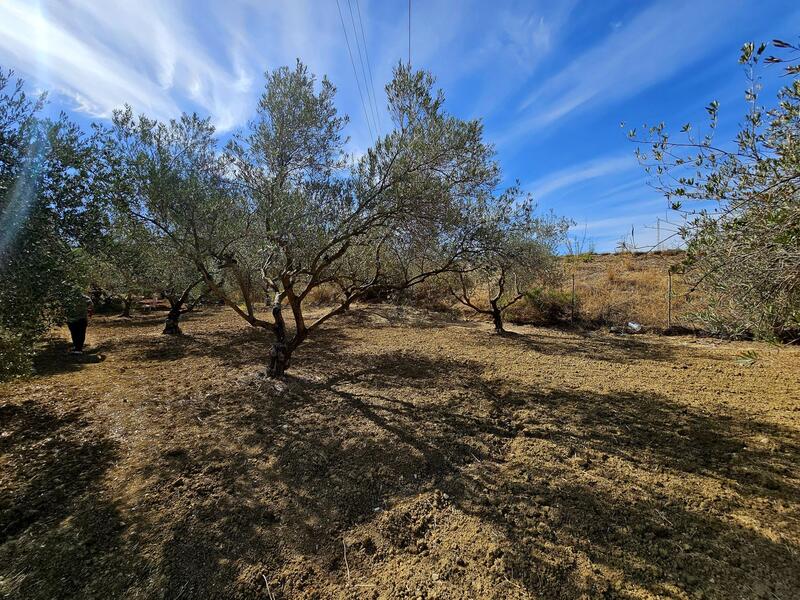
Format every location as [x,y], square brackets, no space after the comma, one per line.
[585,171]
[162,57]
[651,47]
[103,55]
[51,54]
[614,223]
[165,57]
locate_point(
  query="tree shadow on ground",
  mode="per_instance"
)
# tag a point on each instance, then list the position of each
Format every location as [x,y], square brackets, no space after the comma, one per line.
[316,458]
[586,494]
[237,349]
[55,358]
[137,321]
[59,536]
[621,349]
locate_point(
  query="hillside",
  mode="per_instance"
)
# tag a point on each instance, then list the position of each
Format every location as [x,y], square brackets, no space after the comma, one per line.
[617,288]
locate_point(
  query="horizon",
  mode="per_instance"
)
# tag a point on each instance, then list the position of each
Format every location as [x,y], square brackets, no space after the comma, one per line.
[551,82]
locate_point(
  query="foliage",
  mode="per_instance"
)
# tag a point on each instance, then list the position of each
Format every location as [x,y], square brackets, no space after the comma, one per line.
[517,251]
[146,207]
[282,213]
[125,263]
[16,354]
[47,208]
[743,252]
[547,305]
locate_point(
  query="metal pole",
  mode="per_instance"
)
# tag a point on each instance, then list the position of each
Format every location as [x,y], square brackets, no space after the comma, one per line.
[409,34]
[658,234]
[573,296]
[669,301]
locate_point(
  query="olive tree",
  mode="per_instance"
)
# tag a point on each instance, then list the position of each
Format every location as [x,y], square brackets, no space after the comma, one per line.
[177,281]
[283,211]
[134,261]
[519,252]
[744,250]
[124,262]
[47,210]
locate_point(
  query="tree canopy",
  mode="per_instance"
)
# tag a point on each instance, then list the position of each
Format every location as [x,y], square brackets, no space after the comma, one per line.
[281,210]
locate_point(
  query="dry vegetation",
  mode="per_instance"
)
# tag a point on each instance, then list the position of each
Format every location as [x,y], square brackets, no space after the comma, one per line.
[610,290]
[615,288]
[446,461]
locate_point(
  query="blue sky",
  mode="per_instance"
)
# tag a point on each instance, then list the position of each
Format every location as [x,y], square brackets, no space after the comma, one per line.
[551,80]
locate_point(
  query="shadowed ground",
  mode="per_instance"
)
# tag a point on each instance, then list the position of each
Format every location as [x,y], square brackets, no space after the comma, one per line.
[445,461]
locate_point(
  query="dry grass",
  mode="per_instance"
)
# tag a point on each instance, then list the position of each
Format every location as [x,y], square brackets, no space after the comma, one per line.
[612,289]
[324,295]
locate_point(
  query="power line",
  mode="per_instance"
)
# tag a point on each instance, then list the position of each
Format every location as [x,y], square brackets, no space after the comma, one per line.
[369,65]
[363,68]
[355,72]
[409,34]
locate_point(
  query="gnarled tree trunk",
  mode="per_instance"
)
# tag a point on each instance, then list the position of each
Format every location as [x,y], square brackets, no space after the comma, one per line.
[126,307]
[279,353]
[176,308]
[497,317]
[171,323]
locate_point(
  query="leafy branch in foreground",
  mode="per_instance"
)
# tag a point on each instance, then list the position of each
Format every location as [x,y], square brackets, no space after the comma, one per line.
[744,236]
[47,209]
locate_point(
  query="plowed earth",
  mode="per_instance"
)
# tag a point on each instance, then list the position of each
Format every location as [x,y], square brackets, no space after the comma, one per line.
[407,456]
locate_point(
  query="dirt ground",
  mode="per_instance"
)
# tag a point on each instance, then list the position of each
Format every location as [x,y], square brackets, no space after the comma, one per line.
[407,456]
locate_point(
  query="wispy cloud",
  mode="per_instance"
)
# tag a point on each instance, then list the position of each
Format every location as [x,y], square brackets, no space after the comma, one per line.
[161,57]
[40,46]
[614,223]
[629,59]
[514,43]
[579,173]
[102,55]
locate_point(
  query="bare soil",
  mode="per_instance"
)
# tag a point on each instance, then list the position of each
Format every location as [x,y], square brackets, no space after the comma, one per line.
[407,456]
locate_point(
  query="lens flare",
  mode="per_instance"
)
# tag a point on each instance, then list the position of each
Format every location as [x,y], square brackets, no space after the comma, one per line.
[22,195]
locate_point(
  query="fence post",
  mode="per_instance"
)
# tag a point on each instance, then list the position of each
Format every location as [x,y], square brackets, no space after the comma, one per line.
[573,297]
[669,300]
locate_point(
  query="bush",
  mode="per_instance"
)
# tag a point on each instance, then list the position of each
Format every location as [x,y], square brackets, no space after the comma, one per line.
[743,253]
[432,294]
[16,355]
[542,306]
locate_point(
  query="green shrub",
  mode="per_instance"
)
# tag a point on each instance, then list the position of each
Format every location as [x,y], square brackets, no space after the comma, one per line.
[16,355]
